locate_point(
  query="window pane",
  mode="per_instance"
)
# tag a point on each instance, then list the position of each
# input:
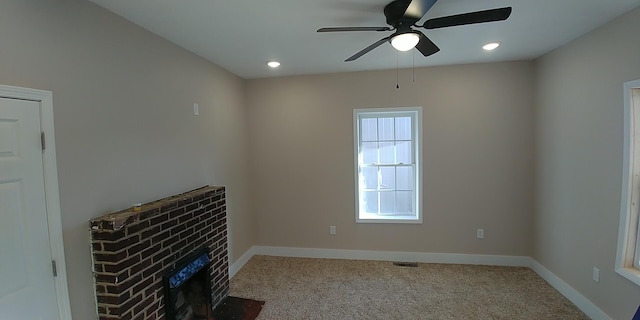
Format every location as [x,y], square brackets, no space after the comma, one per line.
[371,202]
[369,152]
[369,129]
[388,178]
[404,178]
[385,128]
[403,152]
[387,203]
[404,202]
[387,157]
[403,128]
[387,152]
[370,177]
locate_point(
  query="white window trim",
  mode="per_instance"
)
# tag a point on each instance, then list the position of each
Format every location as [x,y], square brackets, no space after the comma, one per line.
[418,154]
[628,237]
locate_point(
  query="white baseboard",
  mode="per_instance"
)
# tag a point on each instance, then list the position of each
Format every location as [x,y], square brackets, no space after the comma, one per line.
[452,258]
[569,292]
[584,304]
[238,264]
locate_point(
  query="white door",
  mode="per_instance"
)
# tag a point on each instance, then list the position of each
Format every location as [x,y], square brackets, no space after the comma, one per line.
[27,289]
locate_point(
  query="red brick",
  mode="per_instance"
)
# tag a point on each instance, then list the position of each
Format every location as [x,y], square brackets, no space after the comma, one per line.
[110,257]
[176,213]
[138,247]
[162,237]
[159,219]
[107,235]
[138,227]
[122,244]
[149,233]
[149,272]
[122,265]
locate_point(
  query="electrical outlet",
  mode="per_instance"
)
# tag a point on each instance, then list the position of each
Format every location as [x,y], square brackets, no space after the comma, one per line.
[596,274]
[196,109]
[480,233]
[332,229]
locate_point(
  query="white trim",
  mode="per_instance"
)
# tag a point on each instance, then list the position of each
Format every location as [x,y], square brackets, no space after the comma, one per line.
[451,258]
[569,292]
[51,189]
[238,264]
[626,242]
[584,304]
[417,145]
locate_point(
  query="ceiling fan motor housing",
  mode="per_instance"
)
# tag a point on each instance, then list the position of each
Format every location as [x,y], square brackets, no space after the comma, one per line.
[394,12]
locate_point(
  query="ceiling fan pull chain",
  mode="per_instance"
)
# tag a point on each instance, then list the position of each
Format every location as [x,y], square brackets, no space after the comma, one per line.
[413,66]
[397,82]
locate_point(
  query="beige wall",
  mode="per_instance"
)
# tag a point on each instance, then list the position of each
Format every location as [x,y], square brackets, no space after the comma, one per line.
[579,127]
[125,131]
[478,168]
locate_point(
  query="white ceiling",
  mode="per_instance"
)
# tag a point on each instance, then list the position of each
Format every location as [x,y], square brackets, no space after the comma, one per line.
[242,35]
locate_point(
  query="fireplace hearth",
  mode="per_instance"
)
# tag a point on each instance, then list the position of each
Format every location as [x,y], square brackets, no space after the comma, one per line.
[134,251]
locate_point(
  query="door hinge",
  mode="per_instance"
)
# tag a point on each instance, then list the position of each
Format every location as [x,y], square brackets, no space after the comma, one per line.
[54,267]
[42,140]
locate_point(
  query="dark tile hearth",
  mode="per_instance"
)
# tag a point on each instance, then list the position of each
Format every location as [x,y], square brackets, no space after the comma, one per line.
[234,308]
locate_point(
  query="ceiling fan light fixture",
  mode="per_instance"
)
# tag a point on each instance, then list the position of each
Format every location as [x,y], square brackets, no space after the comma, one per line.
[491,46]
[405,41]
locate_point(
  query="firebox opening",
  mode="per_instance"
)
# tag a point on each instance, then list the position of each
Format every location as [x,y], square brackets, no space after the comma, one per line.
[188,288]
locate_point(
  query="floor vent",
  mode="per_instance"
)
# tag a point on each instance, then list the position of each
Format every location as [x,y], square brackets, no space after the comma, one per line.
[406,264]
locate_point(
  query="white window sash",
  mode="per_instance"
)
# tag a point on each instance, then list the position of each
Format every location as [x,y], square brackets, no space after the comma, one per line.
[627,262]
[361,214]
[635,178]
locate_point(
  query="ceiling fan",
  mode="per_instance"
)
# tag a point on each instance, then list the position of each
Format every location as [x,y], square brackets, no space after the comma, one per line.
[402,16]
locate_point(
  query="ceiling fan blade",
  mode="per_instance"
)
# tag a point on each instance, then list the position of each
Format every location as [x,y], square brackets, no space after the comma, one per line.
[418,8]
[469,18]
[338,29]
[367,49]
[425,45]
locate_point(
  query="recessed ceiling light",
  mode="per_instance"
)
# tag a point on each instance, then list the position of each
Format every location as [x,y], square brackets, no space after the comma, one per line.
[491,46]
[273,64]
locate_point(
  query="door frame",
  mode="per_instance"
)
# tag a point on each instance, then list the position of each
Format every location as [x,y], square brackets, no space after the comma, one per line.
[54,216]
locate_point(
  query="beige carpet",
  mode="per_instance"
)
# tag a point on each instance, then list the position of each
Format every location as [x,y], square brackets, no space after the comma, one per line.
[298,288]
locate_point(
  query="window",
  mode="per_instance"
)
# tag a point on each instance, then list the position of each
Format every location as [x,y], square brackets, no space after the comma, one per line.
[628,257]
[387,165]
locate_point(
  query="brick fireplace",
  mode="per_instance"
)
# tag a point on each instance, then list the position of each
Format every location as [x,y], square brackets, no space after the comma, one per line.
[133,249]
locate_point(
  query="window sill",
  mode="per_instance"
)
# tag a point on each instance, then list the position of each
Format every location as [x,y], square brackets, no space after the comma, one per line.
[388,219]
[632,274]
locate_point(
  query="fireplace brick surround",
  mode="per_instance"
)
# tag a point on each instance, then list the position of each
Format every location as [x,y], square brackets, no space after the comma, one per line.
[133,249]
